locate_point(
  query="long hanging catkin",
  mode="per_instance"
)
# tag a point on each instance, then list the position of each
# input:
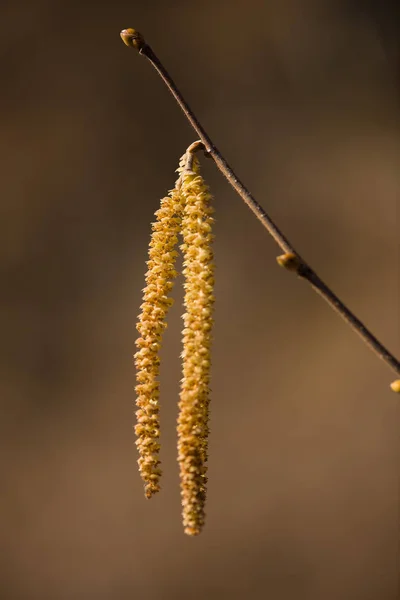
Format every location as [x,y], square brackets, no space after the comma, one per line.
[156,302]
[194,398]
[186,211]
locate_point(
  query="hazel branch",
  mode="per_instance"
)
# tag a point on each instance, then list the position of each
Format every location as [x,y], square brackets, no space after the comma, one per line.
[291,260]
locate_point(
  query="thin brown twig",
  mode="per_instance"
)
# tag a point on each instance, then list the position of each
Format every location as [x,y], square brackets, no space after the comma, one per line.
[291,260]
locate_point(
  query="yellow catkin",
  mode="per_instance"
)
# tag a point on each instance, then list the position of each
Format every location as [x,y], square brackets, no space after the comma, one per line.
[156,302]
[194,397]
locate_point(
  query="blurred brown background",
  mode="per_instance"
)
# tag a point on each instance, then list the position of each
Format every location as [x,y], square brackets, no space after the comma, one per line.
[303,99]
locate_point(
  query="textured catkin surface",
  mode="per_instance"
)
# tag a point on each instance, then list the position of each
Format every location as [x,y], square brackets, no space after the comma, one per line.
[198,271]
[304,448]
[151,325]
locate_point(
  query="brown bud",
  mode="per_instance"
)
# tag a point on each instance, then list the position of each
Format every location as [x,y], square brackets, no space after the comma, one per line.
[133,38]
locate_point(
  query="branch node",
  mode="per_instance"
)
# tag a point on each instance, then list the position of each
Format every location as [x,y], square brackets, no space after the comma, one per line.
[290,261]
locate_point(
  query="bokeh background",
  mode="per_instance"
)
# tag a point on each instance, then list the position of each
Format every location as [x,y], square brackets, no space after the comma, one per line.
[303,100]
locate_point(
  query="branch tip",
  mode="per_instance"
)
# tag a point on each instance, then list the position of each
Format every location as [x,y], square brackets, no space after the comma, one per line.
[132,38]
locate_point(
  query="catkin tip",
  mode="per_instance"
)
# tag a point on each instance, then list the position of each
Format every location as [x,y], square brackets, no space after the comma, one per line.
[191,531]
[150,490]
[395,386]
[132,38]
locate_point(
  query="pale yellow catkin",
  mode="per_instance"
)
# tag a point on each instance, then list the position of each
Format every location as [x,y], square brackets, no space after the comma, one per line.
[194,398]
[156,302]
